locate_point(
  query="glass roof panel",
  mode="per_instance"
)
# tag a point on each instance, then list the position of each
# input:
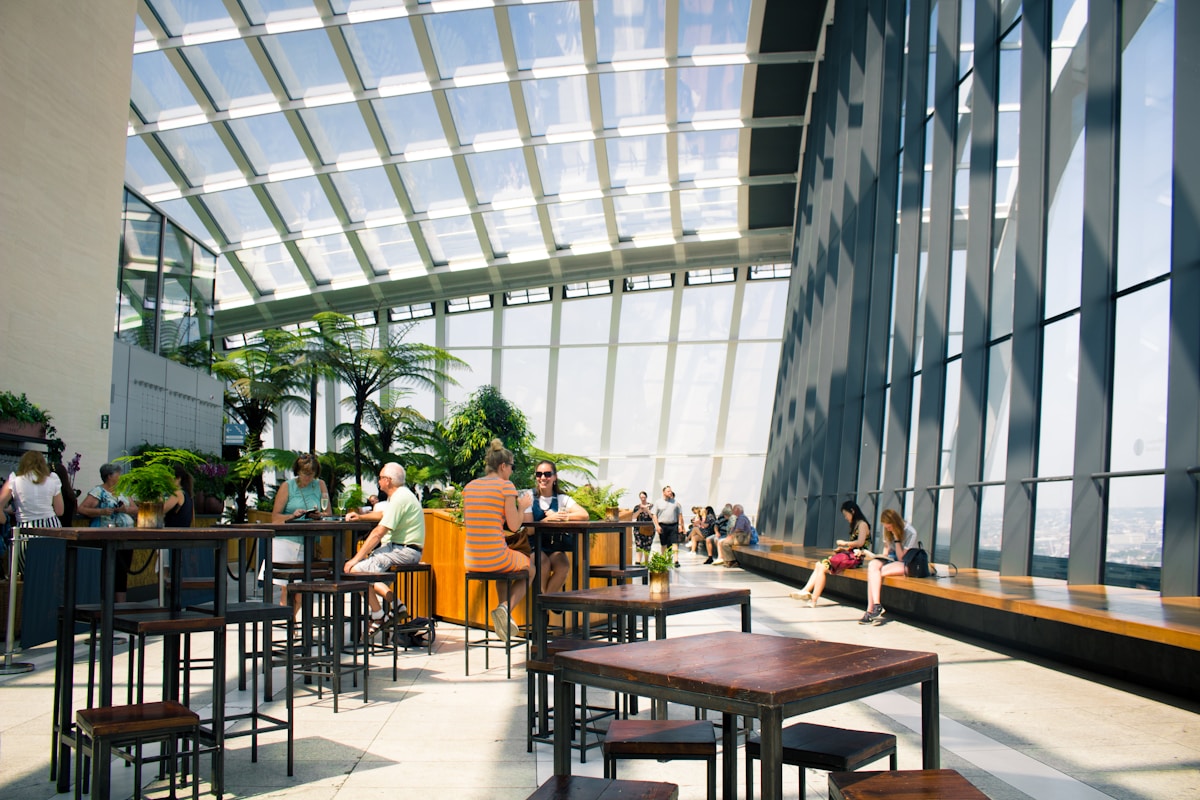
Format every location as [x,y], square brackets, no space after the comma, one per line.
[634,160]
[229,285]
[391,249]
[307,63]
[410,122]
[578,223]
[433,185]
[546,35]
[261,12]
[183,17]
[143,171]
[515,230]
[707,28]
[182,212]
[643,215]
[708,154]
[302,204]
[269,143]
[200,154]
[239,214]
[706,93]
[557,105]
[385,53]
[229,74]
[483,113]
[156,90]
[140,32]
[339,133]
[330,258]
[367,194]
[567,167]
[451,240]
[499,176]
[465,43]
[630,29]
[271,268]
[633,98]
[704,210]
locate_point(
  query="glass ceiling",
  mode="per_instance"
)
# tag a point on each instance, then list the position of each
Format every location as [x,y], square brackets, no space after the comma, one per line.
[356,154]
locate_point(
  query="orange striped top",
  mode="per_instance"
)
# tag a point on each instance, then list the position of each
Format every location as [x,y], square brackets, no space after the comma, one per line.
[483,517]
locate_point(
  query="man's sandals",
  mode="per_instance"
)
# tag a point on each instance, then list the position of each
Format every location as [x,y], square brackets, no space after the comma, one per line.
[396,612]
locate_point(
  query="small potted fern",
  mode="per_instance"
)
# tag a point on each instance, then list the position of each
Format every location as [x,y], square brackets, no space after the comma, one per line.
[153,480]
[658,564]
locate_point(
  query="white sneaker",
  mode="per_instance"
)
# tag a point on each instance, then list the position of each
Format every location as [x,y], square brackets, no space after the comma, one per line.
[500,622]
[802,596]
[719,561]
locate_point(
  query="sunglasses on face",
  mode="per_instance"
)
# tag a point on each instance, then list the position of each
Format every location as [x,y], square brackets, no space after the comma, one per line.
[543,474]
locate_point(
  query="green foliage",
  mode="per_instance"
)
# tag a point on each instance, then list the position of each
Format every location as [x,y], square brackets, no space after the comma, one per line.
[354,499]
[151,476]
[21,409]
[659,561]
[397,428]
[465,437]
[354,354]
[262,378]
[597,499]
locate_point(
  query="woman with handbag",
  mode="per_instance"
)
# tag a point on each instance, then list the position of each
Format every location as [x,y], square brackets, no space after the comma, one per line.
[898,538]
[549,504]
[848,555]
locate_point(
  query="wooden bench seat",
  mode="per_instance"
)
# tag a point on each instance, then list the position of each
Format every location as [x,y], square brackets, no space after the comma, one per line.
[1133,634]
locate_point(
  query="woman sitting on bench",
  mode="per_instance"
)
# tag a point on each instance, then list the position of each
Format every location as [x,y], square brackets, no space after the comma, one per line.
[846,556]
[898,536]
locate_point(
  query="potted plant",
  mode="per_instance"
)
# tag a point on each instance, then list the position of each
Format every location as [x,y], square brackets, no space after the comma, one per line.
[209,482]
[21,417]
[658,565]
[152,480]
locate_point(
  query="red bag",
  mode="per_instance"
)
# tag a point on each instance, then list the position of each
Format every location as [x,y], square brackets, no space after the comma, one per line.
[842,560]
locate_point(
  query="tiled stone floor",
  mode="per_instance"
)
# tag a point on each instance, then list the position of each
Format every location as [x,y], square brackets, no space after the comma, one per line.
[1015,727]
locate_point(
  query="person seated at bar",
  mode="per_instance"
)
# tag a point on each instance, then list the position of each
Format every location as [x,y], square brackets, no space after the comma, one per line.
[549,504]
[178,509]
[490,504]
[303,494]
[898,538]
[846,556]
[721,528]
[398,538]
[739,533]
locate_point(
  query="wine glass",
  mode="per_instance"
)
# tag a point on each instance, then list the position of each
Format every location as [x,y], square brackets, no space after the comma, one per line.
[324,504]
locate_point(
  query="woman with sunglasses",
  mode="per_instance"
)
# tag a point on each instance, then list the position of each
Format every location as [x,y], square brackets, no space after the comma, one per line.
[549,504]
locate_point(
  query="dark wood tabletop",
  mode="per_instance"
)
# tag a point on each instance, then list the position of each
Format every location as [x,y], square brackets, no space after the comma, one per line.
[770,678]
[636,598]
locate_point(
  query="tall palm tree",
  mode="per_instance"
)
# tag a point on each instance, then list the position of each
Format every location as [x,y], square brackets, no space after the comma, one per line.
[400,428]
[261,379]
[357,357]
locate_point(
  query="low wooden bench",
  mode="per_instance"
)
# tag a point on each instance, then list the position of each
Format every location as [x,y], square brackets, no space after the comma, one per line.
[1132,634]
[579,787]
[918,784]
[664,740]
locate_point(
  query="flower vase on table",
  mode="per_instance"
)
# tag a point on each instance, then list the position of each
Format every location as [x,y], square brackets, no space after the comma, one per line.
[659,565]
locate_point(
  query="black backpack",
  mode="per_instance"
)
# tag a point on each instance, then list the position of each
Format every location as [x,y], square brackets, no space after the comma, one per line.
[916,562]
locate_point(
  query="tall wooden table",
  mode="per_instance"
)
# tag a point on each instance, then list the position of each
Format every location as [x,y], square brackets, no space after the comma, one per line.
[749,674]
[108,541]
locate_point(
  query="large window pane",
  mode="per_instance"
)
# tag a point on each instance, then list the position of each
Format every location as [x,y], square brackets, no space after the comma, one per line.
[527,325]
[637,400]
[646,316]
[755,372]
[1133,555]
[580,401]
[1051,530]
[1139,403]
[1008,119]
[706,312]
[699,380]
[995,443]
[524,381]
[1146,155]
[585,321]
[1060,380]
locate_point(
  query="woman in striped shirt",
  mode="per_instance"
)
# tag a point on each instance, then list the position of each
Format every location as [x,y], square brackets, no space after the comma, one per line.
[489,504]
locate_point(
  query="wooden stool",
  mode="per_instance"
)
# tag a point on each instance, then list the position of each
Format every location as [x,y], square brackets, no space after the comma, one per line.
[663,739]
[102,732]
[917,784]
[392,614]
[416,625]
[327,662]
[488,641]
[624,628]
[809,746]
[579,787]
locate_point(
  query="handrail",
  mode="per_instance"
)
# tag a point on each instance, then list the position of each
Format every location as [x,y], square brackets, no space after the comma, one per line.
[981,484]
[1130,473]
[1048,479]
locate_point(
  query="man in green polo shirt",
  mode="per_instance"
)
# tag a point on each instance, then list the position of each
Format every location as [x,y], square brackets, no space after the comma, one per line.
[398,538]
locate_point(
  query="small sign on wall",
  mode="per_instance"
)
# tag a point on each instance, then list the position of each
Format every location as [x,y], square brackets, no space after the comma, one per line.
[104,422]
[235,432]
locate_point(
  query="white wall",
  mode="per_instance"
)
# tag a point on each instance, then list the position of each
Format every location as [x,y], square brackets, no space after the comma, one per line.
[64,97]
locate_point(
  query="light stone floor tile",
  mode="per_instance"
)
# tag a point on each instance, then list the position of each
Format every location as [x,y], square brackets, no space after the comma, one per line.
[1017,728]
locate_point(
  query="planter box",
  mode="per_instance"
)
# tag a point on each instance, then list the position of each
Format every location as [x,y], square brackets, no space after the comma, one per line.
[30,430]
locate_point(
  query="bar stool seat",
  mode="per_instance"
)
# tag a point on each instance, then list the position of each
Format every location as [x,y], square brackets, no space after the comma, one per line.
[665,740]
[581,787]
[104,731]
[391,614]
[327,662]
[425,625]
[917,784]
[488,642]
[584,717]
[810,746]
